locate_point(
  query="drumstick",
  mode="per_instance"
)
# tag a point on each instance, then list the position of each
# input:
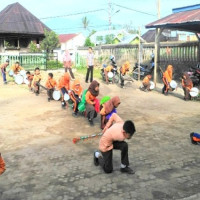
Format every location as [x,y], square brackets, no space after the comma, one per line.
[83,138]
[42,86]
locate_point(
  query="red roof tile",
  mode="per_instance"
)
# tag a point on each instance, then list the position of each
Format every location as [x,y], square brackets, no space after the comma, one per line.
[66,37]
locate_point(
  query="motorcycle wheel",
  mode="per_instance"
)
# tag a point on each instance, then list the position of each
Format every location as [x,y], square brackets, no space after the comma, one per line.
[135,74]
[116,78]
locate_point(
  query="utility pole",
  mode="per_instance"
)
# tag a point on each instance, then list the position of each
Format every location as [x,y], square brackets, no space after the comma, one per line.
[109,14]
[139,56]
[158,9]
[157,45]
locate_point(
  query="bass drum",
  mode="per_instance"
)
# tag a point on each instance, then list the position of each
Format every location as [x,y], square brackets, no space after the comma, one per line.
[194,92]
[23,72]
[56,95]
[66,97]
[19,79]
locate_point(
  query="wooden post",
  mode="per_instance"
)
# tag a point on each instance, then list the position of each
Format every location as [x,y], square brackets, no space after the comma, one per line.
[157,53]
[198,50]
[139,49]
[18,43]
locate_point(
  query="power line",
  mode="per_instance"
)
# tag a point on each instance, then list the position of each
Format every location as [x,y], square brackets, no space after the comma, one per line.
[59,16]
[134,10]
[78,13]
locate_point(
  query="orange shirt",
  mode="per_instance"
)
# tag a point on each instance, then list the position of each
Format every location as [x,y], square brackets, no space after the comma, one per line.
[146,80]
[190,86]
[2,165]
[89,97]
[168,73]
[36,78]
[64,81]
[125,68]
[50,83]
[114,133]
[109,68]
[16,69]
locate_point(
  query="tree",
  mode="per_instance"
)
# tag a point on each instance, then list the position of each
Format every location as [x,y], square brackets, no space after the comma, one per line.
[33,47]
[85,22]
[91,33]
[50,42]
[88,43]
[130,29]
[109,39]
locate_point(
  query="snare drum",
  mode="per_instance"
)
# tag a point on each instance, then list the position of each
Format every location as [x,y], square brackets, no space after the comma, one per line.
[19,79]
[152,85]
[56,95]
[173,85]
[11,73]
[194,92]
[110,75]
[66,97]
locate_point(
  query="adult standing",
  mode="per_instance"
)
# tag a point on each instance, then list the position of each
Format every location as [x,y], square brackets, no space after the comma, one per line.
[90,65]
[3,70]
[67,62]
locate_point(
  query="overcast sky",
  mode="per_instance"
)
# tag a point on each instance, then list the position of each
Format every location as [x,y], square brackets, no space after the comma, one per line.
[97,20]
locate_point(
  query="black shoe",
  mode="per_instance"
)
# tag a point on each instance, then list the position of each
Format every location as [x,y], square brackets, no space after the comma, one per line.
[74,114]
[49,99]
[86,81]
[36,93]
[96,160]
[91,122]
[127,170]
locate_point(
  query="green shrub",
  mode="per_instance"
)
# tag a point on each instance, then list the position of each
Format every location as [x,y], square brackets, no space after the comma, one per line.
[54,64]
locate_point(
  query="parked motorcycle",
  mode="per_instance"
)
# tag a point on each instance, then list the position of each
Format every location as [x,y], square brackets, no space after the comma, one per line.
[113,76]
[194,74]
[144,70]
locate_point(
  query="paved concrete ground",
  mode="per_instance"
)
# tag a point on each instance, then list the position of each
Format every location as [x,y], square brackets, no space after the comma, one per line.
[44,164]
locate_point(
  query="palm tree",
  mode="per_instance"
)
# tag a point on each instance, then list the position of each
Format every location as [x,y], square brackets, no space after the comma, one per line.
[85,22]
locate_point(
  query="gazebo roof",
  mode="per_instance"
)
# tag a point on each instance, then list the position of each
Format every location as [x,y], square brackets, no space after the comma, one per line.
[15,19]
[182,19]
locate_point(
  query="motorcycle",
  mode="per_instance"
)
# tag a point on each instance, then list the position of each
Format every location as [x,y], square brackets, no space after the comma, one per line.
[194,74]
[113,76]
[144,70]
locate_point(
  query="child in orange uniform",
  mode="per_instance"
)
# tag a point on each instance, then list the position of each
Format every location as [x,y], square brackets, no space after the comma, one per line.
[50,85]
[29,77]
[36,81]
[187,86]
[75,95]
[2,165]
[92,93]
[16,68]
[146,83]
[167,78]
[113,138]
[123,70]
[64,86]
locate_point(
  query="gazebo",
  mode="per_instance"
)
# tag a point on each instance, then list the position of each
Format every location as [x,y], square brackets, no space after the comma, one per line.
[184,19]
[18,27]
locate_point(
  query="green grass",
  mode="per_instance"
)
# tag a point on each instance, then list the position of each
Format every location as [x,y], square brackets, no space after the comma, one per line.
[83,70]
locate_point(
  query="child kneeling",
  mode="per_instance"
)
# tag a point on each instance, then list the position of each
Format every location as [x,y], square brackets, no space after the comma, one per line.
[113,138]
[50,85]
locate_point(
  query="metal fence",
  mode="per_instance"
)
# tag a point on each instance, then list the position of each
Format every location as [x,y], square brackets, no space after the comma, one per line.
[30,61]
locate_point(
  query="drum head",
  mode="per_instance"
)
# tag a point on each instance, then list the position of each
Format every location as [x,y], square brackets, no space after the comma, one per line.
[26,81]
[11,73]
[66,97]
[110,75]
[22,72]
[152,85]
[56,95]
[19,79]
[173,84]
[194,92]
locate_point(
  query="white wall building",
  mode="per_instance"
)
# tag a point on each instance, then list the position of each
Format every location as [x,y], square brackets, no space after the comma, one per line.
[70,42]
